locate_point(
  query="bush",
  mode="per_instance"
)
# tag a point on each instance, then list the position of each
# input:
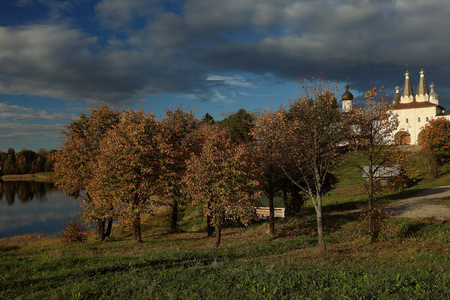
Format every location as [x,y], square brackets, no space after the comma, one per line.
[74,233]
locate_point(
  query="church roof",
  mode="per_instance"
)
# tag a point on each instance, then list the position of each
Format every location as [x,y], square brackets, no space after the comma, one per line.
[347,95]
[396,99]
[415,104]
[422,88]
[407,87]
[433,94]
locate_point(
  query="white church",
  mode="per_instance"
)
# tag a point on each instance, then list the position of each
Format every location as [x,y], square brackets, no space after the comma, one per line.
[413,111]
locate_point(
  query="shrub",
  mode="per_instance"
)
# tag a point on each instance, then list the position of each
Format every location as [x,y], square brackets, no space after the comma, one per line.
[74,233]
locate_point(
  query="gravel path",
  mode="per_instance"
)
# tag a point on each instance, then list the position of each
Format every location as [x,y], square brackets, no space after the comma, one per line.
[423,205]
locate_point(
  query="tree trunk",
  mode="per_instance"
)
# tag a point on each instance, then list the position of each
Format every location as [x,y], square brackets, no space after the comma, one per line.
[209,227]
[297,201]
[137,229]
[271,215]
[218,235]
[109,227]
[101,229]
[372,226]
[320,233]
[287,204]
[174,220]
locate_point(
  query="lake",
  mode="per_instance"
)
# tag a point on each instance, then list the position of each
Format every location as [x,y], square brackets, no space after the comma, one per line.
[34,207]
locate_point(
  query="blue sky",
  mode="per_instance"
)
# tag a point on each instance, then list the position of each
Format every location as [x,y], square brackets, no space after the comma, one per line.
[58,58]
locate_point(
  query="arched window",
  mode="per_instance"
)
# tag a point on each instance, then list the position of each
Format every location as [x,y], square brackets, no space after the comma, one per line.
[406,120]
[427,119]
[418,120]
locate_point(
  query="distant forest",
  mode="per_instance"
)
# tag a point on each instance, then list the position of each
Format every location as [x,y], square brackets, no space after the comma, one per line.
[25,161]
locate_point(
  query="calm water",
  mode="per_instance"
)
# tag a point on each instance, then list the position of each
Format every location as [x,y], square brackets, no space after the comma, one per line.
[34,207]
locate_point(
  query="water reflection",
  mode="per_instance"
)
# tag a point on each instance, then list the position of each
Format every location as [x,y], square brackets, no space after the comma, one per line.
[33,207]
[25,191]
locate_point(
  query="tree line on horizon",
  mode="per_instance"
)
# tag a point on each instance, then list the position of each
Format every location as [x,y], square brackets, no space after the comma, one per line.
[25,161]
[122,164]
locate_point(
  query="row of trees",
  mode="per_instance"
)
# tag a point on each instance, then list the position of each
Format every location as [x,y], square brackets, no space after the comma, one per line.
[124,164]
[25,161]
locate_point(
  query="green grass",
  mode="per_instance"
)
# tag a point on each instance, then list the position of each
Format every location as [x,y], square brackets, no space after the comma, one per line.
[410,261]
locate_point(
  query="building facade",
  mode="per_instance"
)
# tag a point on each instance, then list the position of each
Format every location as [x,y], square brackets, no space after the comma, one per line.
[414,111]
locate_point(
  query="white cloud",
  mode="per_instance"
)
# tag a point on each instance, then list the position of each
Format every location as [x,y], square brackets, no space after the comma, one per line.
[253,95]
[30,132]
[176,50]
[16,112]
[218,97]
[231,80]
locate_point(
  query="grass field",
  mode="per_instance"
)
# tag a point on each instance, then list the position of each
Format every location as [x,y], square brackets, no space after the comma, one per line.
[411,260]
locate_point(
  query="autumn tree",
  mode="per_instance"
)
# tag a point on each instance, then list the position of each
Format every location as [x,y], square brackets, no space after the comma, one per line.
[77,158]
[311,136]
[222,178]
[267,153]
[371,131]
[435,144]
[128,168]
[176,146]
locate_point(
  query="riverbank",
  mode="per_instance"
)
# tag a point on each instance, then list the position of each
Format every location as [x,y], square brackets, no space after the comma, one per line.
[43,176]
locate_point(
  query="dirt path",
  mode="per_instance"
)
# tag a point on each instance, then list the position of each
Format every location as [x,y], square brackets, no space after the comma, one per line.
[423,205]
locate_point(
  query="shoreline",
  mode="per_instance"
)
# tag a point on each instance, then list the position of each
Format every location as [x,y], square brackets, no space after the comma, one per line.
[44,176]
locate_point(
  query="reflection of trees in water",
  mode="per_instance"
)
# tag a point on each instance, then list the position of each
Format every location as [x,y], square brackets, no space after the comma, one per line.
[26,191]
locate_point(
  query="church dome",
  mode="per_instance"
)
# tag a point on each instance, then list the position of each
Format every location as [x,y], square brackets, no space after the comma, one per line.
[347,95]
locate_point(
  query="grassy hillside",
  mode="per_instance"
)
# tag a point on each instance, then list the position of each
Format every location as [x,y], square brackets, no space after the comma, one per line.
[411,260]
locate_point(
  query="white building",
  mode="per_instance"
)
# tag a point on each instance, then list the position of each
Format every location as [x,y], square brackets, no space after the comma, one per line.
[415,111]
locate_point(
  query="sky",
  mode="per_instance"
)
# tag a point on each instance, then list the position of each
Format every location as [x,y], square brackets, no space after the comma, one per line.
[59,58]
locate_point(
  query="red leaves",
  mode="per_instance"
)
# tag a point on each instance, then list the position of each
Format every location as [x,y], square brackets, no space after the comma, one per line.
[435,143]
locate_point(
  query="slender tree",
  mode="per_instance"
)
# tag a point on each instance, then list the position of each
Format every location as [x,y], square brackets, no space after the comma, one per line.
[176,145]
[222,178]
[371,131]
[266,151]
[76,161]
[311,137]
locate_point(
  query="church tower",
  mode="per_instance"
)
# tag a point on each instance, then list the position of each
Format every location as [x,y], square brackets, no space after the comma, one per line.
[434,97]
[407,93]
[347,100]
[422,94]
[396,99]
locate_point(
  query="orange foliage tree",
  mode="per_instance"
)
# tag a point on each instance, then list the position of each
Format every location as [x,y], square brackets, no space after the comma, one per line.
[176,145]
[267,153]
[436,144]
[311,136]
[222,178]
[129,168]
[75,162]
[371,130]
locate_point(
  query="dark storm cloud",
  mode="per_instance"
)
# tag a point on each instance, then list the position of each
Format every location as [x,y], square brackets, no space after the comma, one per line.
[367,41]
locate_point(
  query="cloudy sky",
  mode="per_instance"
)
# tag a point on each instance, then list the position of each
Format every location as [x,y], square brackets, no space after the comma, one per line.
[58,58]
